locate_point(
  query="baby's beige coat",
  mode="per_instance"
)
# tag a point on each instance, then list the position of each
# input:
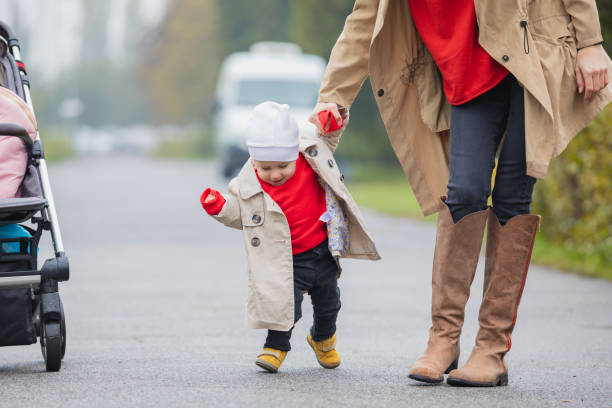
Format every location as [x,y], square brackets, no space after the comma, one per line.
[267,240]
[380,40]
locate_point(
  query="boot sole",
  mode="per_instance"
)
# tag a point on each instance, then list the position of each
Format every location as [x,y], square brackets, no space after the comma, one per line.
[425,379]
[430,380]
[460,382]
[266,366]
[330,367]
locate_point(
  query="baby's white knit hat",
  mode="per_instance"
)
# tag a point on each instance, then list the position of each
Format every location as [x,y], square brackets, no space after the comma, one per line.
[272,133]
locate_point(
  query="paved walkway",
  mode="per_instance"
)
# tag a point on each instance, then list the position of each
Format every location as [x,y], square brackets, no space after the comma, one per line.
[155,313]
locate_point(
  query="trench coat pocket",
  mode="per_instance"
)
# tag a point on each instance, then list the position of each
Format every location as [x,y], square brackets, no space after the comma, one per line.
[553,29]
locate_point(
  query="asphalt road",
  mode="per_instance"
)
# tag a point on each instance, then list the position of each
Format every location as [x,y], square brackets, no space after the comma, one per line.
[156,312]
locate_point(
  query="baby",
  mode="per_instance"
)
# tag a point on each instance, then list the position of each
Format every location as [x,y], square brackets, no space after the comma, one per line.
[297,219]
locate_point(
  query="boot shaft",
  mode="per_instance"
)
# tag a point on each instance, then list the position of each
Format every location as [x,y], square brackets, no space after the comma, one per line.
[455,258]
[507,259]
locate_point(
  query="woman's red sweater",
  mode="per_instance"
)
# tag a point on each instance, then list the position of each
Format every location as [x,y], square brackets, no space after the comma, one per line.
[450,32]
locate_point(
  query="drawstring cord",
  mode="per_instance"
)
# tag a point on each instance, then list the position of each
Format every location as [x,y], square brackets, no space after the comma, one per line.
[525,37]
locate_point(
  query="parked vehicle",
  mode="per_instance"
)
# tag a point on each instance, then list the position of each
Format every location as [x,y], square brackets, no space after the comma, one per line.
[269,71]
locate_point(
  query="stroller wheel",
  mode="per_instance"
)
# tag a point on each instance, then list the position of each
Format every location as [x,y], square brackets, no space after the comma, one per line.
[51,344]
[63,331]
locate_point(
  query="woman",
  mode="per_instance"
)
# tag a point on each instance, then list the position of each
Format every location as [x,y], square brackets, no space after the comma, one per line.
[454,80]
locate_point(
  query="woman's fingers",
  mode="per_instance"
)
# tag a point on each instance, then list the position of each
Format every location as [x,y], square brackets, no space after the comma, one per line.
[588,85]
[579,80]
[328,123]
[596,84]
[336,114]
[314,117]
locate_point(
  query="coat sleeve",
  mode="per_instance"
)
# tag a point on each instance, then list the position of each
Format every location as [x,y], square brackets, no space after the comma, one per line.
[348,62]
[230,213]
[586,21]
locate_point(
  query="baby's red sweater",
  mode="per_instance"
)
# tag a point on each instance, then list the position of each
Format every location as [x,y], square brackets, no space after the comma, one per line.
[302,200]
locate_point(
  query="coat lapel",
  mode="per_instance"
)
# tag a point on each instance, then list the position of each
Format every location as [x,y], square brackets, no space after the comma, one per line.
[248,182]
[249,186]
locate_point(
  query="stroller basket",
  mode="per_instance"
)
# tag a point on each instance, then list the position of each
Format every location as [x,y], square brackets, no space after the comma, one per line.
[30,305]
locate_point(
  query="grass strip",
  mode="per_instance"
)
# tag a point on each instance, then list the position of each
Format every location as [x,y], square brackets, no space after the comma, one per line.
[392,196]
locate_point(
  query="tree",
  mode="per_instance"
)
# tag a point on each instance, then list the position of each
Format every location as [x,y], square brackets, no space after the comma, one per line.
[316,25]
[182,61]
[246,22]
[605,17]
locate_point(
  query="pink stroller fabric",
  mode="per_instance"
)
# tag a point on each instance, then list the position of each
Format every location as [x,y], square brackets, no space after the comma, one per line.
[13,155]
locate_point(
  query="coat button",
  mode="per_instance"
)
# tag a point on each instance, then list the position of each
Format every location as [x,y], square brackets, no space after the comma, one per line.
[330,162]
[506,58]
[342,177]
[313,152]
[381,92]
[255,242]
[256,219]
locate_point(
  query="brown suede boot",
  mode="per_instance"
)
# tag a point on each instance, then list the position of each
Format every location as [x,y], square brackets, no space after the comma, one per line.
[507,260]
[455,259]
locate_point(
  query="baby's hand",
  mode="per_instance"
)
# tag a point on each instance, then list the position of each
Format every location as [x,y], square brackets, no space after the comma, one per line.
[210,198]
[212,201]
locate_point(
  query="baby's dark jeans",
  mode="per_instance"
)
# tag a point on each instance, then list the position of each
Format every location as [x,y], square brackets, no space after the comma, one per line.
[314,271]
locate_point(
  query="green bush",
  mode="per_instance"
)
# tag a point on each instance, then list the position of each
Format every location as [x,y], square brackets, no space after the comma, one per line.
[57,145]
[197,142]
[575,200]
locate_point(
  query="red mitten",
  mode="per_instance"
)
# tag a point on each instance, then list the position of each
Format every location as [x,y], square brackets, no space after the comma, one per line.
[212,207]
[325,116]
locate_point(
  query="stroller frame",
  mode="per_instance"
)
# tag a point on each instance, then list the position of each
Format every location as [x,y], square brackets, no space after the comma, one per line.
[47,310]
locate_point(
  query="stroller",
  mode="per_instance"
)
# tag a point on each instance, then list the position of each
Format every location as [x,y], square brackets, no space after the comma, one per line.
[30,305]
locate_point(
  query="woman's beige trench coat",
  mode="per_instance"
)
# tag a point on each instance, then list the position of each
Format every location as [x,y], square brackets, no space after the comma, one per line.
[536,40]
[267,240]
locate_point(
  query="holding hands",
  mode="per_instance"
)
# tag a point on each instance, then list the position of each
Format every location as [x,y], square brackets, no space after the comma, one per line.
[328,117]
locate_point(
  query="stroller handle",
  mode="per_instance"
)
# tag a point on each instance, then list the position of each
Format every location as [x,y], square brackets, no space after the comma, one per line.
[7,32]
[11,129]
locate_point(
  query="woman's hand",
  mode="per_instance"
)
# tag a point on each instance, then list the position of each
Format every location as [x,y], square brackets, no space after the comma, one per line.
[591,70]
[314,117]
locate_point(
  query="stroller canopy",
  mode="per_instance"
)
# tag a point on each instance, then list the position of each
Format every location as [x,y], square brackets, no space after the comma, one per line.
[13,153]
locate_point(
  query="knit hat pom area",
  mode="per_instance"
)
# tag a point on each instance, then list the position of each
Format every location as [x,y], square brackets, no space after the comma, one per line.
[272,133]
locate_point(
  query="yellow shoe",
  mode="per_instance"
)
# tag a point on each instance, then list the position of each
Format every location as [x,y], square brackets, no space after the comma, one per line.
[271,359]
[325,350]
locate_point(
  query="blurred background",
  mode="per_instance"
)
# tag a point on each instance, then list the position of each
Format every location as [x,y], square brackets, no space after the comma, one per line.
[162,78]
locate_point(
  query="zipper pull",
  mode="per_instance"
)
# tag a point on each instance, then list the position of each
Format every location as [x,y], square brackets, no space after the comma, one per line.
[525,37]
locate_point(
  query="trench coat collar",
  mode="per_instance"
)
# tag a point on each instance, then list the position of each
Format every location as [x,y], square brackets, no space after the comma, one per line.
[306,143]
[248,182]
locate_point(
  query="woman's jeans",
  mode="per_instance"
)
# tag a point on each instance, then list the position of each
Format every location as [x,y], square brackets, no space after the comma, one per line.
[477,128]
[316,272]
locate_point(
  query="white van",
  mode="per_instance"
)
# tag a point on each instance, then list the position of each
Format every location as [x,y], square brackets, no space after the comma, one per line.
[270,71]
